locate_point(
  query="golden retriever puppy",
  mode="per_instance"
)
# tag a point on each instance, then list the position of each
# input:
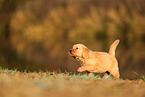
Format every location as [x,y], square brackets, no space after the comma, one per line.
[93,61]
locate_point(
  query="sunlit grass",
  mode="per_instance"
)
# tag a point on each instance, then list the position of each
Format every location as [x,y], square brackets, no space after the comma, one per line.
[51,75]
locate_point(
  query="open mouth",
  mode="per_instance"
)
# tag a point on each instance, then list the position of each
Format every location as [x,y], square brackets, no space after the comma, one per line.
[72,56]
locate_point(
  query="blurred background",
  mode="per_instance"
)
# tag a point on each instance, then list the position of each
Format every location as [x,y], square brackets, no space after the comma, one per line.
[37,34]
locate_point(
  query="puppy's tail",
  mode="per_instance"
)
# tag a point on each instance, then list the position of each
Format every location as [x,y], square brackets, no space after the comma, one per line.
[113,47]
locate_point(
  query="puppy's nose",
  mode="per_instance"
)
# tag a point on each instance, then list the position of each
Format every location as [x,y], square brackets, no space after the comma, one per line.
[70,51]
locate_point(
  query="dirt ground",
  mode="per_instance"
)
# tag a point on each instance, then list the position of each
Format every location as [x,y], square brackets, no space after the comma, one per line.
[42,85]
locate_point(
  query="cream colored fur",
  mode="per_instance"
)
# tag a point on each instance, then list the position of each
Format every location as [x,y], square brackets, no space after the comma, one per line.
[94,61]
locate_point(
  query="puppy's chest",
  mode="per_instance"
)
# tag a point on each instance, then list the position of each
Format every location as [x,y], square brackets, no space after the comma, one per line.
[83,61]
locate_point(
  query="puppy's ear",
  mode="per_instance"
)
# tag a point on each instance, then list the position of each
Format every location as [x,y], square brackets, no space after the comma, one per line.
[85,51]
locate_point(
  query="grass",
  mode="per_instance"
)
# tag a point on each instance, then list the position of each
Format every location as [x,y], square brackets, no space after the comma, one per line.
[43,84]
[50,75]
[54,75]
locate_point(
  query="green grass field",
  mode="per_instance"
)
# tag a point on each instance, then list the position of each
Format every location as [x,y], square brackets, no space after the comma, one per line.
[14,83]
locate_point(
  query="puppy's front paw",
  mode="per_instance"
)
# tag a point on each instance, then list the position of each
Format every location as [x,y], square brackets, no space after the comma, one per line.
[81,69]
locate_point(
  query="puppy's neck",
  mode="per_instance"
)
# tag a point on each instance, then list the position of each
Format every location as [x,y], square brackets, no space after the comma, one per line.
[84,57]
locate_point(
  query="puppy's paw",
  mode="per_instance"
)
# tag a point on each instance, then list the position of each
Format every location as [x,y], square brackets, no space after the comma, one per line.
[90,74]
[81,69]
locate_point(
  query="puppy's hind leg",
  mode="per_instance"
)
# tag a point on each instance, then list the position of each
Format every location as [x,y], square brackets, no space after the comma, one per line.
[115,74]
[107,74]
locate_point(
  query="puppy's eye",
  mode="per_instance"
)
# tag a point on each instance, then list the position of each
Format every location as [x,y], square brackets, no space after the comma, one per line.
[77,48]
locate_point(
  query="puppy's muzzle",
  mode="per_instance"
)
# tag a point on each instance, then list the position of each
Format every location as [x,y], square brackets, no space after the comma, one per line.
[70,52]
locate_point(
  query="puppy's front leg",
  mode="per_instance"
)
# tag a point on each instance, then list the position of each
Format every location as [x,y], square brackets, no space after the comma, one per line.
[86,68]
[89,73]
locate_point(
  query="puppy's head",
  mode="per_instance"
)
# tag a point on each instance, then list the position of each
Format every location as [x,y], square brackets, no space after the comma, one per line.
[79,51]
